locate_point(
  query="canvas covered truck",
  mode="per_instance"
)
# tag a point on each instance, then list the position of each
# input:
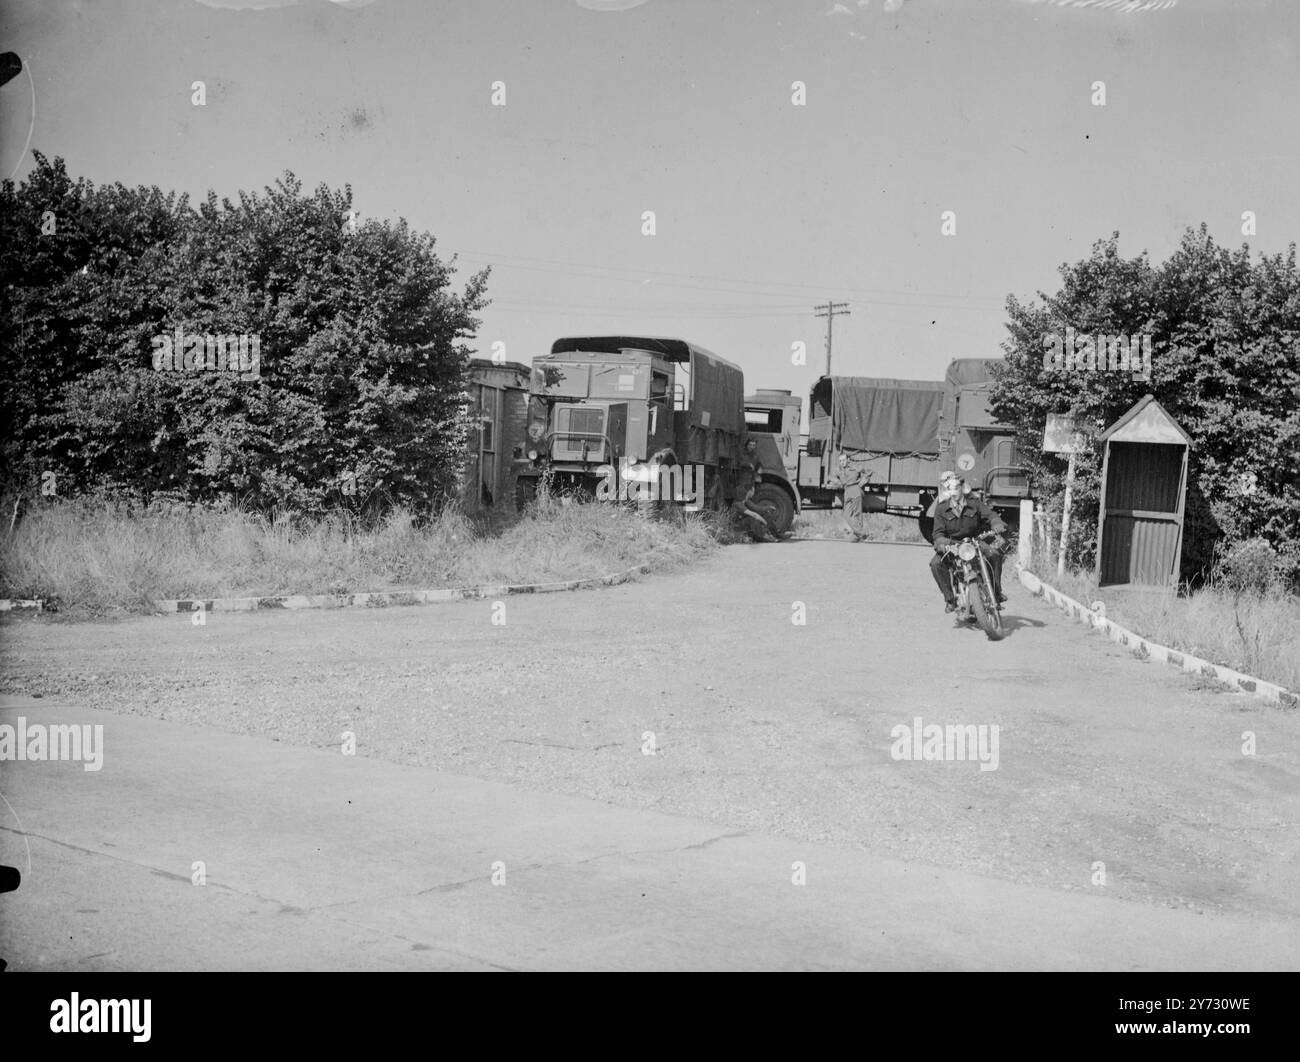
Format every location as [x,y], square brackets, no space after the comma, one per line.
[882,433]
[663,415]
[894,437]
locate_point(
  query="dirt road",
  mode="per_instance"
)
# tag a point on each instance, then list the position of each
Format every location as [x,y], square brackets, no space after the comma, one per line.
[759,722]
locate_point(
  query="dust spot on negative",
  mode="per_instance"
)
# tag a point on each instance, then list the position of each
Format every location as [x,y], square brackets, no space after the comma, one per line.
[358,119]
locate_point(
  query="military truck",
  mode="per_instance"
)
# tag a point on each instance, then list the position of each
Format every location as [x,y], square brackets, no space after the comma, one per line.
[895,437]
[636,407]
[882,431]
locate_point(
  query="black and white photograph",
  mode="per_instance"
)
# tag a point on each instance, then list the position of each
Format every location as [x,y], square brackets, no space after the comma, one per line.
[707,486]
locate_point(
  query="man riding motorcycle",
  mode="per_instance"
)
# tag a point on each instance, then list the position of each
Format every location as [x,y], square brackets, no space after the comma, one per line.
[958,514]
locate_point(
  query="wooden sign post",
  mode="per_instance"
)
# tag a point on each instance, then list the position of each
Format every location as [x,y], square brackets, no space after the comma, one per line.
[1062,435]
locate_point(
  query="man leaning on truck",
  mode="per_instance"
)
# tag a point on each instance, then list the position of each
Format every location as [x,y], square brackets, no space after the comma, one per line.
[748,476]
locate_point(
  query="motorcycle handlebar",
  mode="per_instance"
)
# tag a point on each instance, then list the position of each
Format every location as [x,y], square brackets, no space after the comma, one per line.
[976,538]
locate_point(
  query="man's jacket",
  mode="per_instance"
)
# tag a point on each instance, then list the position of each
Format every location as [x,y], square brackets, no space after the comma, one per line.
[974,518]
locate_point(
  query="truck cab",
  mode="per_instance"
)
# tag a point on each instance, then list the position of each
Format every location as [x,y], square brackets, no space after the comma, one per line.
[775,415]
[638,403]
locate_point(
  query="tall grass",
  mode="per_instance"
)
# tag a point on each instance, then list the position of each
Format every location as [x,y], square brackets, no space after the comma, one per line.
[1255,629]
[97,555]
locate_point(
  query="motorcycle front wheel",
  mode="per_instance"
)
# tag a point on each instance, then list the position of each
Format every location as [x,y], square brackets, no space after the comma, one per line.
[986,613]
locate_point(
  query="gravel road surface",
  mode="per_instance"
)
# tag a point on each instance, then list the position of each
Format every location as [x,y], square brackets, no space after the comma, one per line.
[758,722]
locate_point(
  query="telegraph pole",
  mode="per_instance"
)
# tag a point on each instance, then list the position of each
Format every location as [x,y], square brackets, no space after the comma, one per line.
[832,310]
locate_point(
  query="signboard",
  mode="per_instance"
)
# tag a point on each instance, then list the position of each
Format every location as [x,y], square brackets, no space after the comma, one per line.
[1065,435]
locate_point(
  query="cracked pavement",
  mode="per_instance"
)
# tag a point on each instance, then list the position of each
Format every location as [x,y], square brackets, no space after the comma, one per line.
[516,753]
[315,860]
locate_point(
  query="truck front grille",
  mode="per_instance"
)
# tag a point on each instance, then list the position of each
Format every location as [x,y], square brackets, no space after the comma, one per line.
[576,425]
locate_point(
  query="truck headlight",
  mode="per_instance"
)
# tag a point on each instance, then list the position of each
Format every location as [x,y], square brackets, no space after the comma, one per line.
[532,455]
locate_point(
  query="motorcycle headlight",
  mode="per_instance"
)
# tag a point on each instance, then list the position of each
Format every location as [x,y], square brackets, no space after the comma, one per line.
[966,551]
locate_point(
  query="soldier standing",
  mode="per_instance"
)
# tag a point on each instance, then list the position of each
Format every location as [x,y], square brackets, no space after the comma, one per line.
[853,479]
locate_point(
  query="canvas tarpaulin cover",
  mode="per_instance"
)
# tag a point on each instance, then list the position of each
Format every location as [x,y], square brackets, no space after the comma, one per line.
[964,373]
[889,416]
[718,389]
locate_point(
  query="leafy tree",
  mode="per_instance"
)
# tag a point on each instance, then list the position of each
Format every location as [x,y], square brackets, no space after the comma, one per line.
[362,359]
[68,276]
[1225,364]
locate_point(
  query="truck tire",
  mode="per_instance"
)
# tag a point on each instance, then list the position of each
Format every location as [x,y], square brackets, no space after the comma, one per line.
[775,506]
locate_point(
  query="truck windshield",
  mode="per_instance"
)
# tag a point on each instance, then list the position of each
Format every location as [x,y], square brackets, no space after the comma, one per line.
[758,418]
[620,381]
[568,381]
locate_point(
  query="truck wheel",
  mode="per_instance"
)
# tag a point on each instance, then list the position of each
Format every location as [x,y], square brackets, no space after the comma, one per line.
[775,507]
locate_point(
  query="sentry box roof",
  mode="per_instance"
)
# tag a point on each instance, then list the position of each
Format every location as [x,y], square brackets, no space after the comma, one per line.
[1147,422]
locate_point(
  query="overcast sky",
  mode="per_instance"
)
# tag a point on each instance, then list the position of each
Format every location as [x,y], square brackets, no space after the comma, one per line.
[683,107]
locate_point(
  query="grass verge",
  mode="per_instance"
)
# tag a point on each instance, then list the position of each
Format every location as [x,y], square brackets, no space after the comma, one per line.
[95,556]
[1257,632]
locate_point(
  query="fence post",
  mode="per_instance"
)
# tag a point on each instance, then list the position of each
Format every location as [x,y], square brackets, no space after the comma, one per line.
[1025,541]
[1065,515]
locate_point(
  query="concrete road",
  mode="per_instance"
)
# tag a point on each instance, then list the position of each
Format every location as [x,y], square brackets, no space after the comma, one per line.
[1122,828]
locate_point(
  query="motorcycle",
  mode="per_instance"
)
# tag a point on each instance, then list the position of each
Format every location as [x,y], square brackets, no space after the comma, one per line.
[972,584]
